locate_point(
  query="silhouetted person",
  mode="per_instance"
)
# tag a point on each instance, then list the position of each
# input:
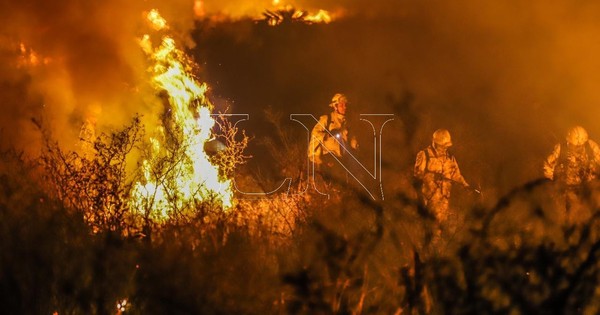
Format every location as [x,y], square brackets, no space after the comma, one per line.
[437,169]
[571,165]
[330,140]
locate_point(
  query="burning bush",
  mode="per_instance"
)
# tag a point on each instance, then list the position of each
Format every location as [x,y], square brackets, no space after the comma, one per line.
[95,185]
[339,255]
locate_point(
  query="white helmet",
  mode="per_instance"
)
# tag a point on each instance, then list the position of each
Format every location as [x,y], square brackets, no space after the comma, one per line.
[338,98]
[577,136]
[441,137]
[214,146]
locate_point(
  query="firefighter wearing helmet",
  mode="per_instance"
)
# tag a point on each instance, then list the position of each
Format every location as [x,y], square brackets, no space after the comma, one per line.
[572,164]
[436,169]
[330,139]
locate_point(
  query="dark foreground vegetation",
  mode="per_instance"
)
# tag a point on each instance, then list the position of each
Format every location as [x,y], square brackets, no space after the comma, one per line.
[301,254]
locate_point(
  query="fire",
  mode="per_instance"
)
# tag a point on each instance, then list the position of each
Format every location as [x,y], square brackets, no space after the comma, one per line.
[178,172]
[199,8]
[289,13]
[283,12]
[320,17]
[30,58]
[156,21]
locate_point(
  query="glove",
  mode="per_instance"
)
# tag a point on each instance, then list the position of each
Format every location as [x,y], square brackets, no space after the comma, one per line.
[438,177]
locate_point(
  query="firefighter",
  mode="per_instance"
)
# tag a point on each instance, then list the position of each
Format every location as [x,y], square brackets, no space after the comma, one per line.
[331,140]
[436,170]
[572,165]
[87,133]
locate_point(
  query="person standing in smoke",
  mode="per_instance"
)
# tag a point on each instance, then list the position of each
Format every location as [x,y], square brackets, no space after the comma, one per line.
[330,142]
[571,165]
[436,170]
[87,133]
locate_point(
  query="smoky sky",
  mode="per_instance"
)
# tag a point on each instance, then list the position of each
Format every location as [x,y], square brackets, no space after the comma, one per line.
[89,63]
[505,77]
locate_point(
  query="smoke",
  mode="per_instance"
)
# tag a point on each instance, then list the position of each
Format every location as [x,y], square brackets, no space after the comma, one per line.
[69,62]
[507,78]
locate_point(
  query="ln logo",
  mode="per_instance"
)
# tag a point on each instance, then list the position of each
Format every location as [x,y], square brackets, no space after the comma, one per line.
[355,169]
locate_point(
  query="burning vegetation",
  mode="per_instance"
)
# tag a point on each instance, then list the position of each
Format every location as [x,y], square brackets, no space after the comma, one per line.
[178,172]
[147,197]
[291,15]
[175,174]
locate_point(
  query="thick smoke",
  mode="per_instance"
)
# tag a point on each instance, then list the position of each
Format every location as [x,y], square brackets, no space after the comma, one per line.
[87,66]
[507,78]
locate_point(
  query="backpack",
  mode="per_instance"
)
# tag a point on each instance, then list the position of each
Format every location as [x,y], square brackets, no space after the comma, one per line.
[562,159]
[327,134]
[428,156]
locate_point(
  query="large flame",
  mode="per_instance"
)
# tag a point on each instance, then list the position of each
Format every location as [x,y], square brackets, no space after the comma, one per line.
[191,177]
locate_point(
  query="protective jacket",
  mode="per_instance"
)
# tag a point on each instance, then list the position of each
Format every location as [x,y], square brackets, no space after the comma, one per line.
[437,172]
[573,165]
[329,136]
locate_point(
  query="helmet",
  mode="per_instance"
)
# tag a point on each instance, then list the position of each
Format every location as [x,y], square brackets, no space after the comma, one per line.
[577,136]
[214,146]
[338,98]
[442,137]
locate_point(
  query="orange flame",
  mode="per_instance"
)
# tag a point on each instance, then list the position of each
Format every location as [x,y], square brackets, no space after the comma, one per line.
[156,21]
[283,13]
[199,8]
[30,58]
[320,17]
[193,178]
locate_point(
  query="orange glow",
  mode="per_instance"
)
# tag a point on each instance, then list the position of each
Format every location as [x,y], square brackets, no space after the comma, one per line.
[30,58]
[284,13]
[320,17]
[199,8]
[156,21]
[122,306]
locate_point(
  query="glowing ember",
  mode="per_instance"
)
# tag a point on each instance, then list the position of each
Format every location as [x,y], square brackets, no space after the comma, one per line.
[121,306]
[178,171]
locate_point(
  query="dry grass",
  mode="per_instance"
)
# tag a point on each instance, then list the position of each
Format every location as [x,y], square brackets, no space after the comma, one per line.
[298,254]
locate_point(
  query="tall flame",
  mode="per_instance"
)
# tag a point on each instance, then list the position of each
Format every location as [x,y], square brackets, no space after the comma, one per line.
[190,177]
